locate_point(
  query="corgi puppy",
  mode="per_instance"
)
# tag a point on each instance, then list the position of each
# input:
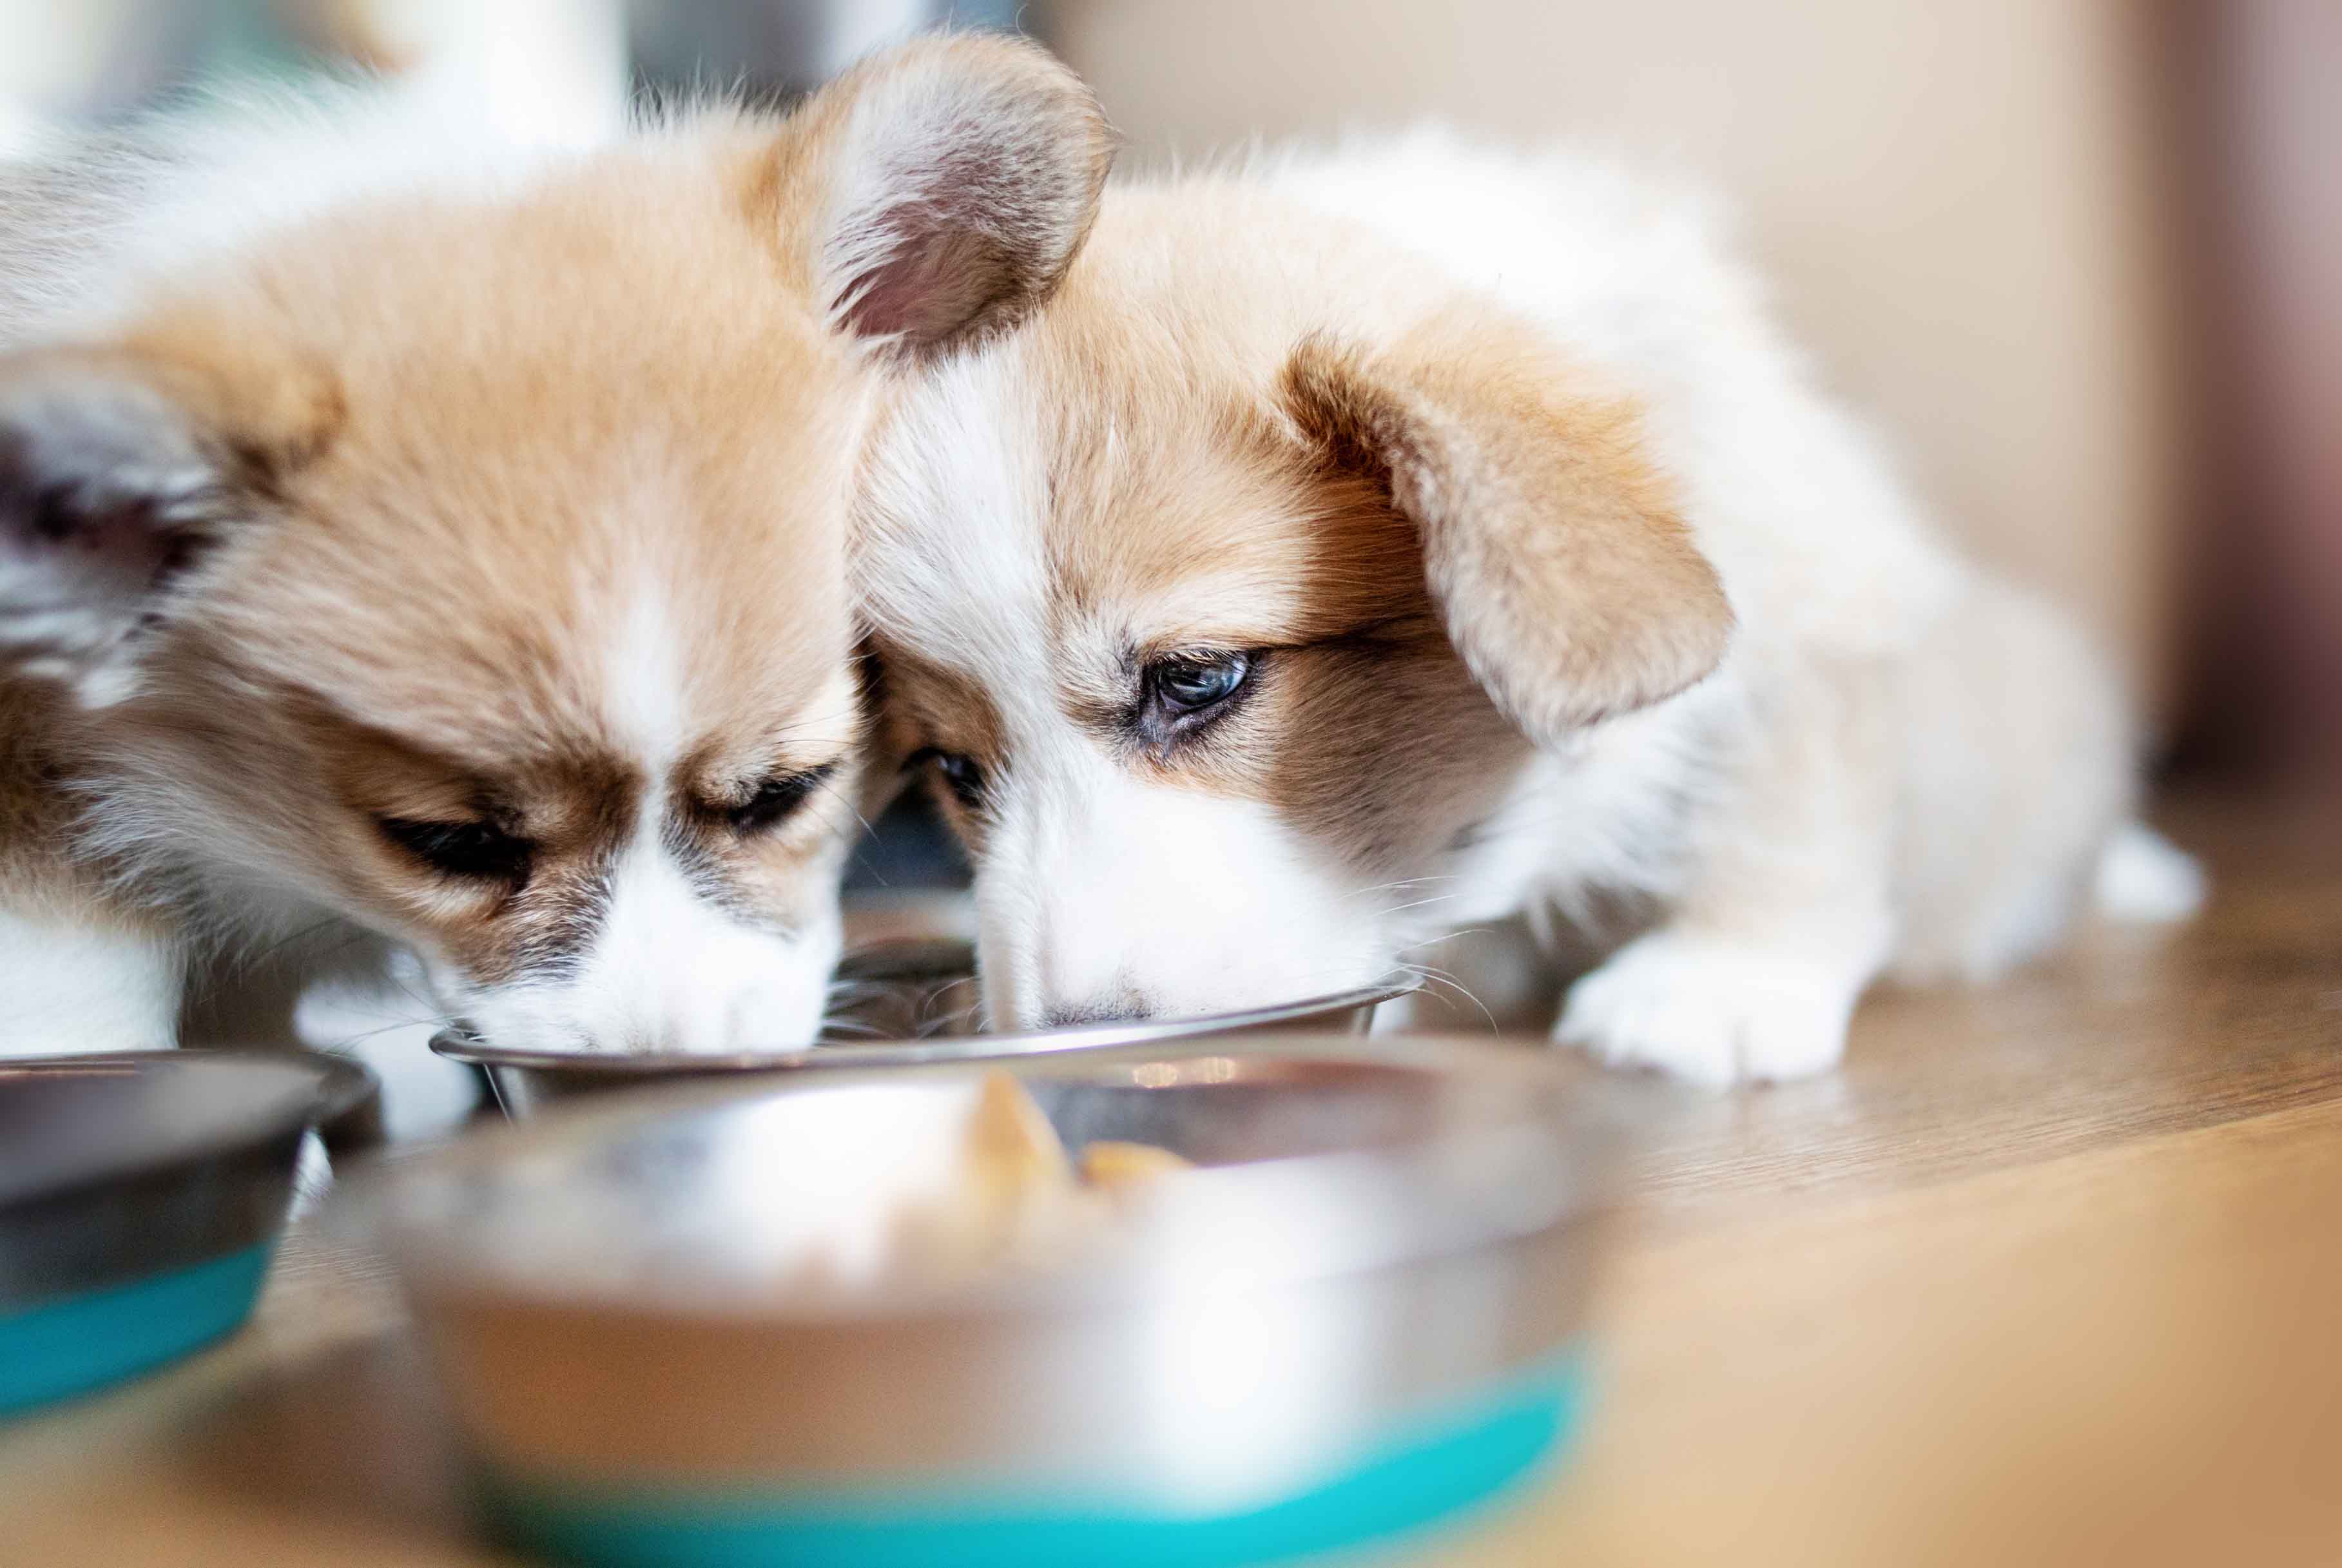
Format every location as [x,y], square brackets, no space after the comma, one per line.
[1365,545]
[402,533]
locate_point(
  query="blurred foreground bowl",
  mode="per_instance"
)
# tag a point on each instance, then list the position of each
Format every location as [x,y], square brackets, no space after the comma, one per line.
[1359,1314]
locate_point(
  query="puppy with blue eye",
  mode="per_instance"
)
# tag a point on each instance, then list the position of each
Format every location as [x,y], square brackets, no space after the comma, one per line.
[402,533]
[1366,545]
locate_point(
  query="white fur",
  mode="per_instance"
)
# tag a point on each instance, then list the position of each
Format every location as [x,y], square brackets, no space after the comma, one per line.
[71,988]
[960,455]
[643,682]
[1715,1013]
[1641,777]
[2144,878]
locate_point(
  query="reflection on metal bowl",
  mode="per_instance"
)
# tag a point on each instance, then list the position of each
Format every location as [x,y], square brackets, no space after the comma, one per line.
[1360,1311]
[905,1004]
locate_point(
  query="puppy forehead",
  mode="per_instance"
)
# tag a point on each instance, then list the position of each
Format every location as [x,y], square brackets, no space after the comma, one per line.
[618,605]
[1023,518]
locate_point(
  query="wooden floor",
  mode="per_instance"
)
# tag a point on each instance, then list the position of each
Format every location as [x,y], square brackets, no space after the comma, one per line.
[2050,1273]
[2127,1035]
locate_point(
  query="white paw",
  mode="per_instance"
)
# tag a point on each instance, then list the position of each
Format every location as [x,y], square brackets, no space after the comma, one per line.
[2146,879]
[1711,1013]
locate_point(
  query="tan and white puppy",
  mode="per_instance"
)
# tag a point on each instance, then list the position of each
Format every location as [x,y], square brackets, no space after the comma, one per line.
[400,530]
[1365,546]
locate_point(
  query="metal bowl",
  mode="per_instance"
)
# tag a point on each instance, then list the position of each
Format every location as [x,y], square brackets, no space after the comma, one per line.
[140,1195]
[901,1011]
[1361,1311]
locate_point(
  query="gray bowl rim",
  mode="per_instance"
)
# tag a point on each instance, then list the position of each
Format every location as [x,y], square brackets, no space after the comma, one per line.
[460,1046]
[342,1085]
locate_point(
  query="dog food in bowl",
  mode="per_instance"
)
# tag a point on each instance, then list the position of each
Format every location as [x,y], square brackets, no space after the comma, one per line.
[1344,1300]
[1012,1197]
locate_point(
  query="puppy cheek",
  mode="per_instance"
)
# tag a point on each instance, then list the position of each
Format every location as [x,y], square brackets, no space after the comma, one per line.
[1385,754]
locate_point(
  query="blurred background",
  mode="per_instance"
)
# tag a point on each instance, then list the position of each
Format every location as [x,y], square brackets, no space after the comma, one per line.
[2080,264]
[2079,260]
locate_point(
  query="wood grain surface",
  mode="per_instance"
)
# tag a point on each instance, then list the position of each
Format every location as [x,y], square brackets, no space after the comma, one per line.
[2048,1273]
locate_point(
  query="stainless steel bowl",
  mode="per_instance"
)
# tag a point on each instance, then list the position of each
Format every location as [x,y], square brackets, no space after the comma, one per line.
[909,1005]
[140,1194]
[1362,1311]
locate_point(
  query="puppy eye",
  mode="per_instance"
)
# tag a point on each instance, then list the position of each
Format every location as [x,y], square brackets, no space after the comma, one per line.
[477,851]
[960,775]
[776,799]
[1191,684]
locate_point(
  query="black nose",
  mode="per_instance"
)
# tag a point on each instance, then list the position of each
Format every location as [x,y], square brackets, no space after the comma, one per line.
[1120,1007]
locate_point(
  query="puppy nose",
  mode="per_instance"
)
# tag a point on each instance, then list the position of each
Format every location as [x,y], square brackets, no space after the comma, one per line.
[1122,1006]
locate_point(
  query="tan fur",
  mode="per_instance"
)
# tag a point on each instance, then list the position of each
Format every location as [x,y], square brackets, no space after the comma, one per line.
[1565,577]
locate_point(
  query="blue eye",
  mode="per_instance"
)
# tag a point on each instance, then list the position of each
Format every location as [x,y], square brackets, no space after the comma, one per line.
[1193,682]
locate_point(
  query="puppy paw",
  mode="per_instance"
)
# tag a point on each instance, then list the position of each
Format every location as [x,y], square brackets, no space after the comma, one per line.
[1712,1012]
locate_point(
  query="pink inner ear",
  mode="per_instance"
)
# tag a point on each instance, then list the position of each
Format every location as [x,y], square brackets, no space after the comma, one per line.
[105,496]
[942,250]
[962,172]
[937,277]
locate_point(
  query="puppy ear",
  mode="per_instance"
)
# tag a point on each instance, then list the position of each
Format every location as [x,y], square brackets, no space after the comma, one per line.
[952,180]
[1552,550]
[120,466]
